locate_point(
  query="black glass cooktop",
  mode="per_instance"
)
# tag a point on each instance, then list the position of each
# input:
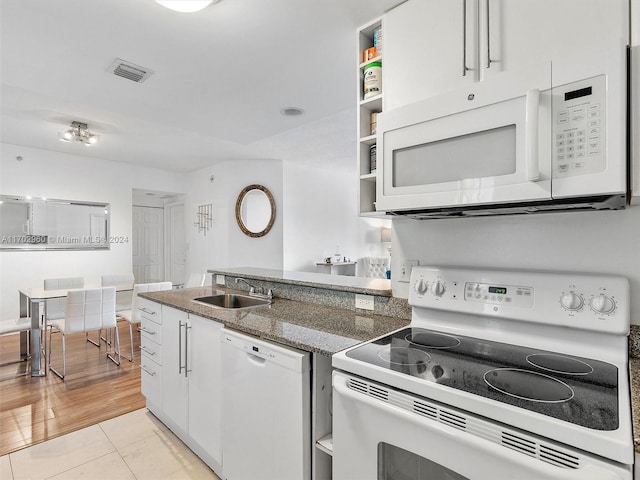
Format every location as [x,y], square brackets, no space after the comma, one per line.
[573,389]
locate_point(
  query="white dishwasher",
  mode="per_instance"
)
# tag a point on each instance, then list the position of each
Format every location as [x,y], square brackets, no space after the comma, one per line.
[266,423]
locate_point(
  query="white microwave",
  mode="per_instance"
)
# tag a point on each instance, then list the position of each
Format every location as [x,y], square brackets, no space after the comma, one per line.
[550,137]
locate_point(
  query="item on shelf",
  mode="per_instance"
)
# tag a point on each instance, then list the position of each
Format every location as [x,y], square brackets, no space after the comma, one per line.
[377,40]
[374,122]
[369,54]
[372,79]
[372,157]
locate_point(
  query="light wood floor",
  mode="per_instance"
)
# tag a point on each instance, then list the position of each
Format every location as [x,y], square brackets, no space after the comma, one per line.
[34,409]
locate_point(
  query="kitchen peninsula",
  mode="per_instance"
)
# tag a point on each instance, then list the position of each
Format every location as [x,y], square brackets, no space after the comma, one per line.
[310,312]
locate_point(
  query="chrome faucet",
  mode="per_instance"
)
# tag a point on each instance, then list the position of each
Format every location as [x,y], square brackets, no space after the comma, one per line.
[256,291]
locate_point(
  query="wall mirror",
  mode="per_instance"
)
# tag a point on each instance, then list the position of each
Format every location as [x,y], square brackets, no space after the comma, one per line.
[255,210]
[46,224]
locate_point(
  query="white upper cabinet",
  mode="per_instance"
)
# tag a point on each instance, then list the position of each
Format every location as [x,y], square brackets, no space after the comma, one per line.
[434,46]
[429,48]
[517,33]
[635,103]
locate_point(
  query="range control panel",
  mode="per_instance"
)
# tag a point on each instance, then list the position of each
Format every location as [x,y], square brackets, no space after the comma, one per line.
[579,127]
[591,302]
[499,294]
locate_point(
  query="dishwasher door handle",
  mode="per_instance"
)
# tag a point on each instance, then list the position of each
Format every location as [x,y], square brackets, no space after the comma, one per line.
[256,359]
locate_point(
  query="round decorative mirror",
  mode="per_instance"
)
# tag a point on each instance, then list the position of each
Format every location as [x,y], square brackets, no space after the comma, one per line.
[255,210]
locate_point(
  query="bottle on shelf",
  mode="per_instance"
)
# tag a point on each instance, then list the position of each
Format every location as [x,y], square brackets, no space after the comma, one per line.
[372,79]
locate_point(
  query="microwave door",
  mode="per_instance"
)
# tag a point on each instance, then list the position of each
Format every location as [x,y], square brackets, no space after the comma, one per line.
[489,146]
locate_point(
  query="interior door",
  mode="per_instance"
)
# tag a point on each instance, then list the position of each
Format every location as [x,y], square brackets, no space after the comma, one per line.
[176,243]
[148,244]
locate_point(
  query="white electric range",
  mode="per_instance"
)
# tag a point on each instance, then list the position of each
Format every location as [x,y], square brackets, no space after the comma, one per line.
[501,374]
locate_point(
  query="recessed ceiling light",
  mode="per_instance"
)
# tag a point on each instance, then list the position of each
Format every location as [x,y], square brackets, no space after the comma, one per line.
[291,111]
[186,6]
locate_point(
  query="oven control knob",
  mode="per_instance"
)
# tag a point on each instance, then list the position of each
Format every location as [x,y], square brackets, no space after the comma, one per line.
[602,304]
[437,288]
[420,286]
[572,301]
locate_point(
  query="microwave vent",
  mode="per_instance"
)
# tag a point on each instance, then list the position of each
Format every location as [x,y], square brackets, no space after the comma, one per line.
[604,202]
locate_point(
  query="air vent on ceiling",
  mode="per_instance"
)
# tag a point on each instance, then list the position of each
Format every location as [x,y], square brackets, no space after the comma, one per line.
[129,70]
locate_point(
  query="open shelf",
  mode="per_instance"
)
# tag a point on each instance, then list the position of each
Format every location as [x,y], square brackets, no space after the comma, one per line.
[367,182]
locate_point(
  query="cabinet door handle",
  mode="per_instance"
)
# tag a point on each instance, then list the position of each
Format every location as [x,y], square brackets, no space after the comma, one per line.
[531,135]
[146,330]
[144,369]
[150,312]
[186,350]
[180,348]
[488,36]
[145,349]
[464,38]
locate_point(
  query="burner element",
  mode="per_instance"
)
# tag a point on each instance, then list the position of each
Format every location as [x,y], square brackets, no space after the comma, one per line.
[404,356]
[432,340]
[559,364]
[527,385]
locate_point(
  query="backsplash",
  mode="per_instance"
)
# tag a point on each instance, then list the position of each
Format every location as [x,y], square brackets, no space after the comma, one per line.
[383,305]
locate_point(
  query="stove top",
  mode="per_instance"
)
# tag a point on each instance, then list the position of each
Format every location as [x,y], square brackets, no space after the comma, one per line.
[573,389]
[544,352]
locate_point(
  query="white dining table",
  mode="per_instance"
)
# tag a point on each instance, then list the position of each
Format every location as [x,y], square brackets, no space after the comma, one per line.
[30,302]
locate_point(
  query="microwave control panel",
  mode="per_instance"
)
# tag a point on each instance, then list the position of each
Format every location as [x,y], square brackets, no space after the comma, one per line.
[579,128]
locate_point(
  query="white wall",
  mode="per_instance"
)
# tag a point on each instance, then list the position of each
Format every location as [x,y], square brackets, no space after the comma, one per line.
[314,182]
[49,174]
[601,242]
[320,193]
[225,245]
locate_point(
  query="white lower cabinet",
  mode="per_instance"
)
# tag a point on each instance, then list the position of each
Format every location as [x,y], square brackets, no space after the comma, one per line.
[175,382]
[205,385]
[190,375]
[182,380]
[151,352]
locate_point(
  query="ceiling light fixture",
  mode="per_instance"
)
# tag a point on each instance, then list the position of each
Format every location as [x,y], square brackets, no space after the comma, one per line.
[79,132]
[186,6]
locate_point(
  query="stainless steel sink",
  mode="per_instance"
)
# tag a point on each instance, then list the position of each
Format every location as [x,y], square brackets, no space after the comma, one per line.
[232,301]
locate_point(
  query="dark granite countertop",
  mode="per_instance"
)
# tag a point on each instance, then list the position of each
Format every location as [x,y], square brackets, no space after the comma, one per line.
[307,326]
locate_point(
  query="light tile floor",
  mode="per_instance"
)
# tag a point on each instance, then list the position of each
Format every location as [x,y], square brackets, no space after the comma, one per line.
[132,446]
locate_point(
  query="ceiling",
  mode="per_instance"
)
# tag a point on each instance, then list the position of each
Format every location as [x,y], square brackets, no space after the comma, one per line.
[221,76]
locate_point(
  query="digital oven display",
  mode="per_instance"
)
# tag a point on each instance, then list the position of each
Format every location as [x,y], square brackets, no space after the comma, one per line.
[498,290]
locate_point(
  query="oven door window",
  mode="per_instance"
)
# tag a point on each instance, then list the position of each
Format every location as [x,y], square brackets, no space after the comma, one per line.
[395,463]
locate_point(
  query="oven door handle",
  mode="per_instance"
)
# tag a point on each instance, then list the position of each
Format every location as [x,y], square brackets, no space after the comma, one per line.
[532,107]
